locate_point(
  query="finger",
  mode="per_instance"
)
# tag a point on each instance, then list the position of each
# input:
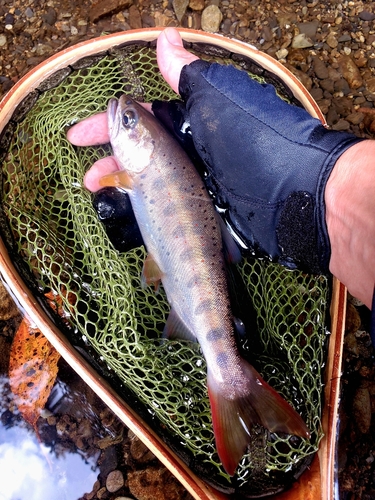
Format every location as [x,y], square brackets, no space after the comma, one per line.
[172,56]
[91,131]
[100,168]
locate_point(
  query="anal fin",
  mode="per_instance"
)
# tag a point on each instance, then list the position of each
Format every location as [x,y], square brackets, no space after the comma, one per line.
[175,328]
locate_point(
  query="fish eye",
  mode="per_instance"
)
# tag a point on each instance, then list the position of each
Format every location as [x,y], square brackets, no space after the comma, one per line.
[129,118]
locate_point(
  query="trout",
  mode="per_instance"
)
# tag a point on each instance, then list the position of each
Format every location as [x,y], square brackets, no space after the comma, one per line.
[184,243]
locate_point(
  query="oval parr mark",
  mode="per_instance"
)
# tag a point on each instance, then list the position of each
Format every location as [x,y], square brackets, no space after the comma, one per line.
[203,307]
[169,210]
[215,335]
[222,359]
[196,280]
[178,232]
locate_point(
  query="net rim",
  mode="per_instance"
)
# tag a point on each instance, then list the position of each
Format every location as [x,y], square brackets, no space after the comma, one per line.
[24,297]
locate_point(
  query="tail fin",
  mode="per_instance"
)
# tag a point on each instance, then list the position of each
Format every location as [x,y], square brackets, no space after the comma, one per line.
[233,417]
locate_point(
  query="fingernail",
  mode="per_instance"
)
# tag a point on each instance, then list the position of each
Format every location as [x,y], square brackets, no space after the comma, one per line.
[173,36]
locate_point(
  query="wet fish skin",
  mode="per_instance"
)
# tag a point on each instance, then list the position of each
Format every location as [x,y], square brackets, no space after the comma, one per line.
[183,239]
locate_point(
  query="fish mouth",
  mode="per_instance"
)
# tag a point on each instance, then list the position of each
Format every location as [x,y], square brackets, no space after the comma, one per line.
[111,114]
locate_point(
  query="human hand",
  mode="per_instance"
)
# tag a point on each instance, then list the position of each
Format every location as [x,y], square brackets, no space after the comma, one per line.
[268,168]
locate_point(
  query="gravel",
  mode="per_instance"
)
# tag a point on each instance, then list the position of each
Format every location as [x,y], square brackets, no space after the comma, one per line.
[330,47]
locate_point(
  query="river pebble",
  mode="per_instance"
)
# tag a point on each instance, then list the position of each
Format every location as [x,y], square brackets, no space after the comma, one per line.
[115,481]
[211,18]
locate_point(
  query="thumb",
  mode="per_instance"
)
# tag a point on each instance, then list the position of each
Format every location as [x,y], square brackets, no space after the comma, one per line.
[172,56]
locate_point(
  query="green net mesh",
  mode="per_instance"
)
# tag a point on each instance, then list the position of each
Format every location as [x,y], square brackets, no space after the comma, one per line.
[55,233]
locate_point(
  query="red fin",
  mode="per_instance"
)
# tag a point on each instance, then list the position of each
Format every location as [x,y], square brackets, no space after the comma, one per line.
[233,418]
[151,274]
[120,179]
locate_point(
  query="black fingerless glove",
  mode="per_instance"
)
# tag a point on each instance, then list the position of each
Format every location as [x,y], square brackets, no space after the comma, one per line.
[267,162]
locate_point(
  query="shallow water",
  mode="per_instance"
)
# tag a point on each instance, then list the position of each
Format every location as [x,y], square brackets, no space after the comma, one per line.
[30,470]
[51,467]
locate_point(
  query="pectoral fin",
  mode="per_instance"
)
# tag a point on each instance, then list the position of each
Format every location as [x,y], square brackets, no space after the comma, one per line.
[231,250]
[119,179]
[151,273]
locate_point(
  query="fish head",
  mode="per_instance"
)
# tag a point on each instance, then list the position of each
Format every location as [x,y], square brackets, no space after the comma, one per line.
[133,132]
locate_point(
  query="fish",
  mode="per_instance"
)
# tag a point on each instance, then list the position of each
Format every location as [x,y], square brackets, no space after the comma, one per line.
[185,252]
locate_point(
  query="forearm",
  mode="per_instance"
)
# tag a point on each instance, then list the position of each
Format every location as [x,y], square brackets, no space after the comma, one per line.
[350,217]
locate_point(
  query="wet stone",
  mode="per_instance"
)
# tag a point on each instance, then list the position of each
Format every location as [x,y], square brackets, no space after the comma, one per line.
[115,481]
[353,319]
[50,16]
[211,19]
[9,19]
[180,7]
[355,118]
[327,85]
[139,450]
[302,41]
[370,84]
[320,68]
[366,15]
[350,72]
[362,409]
[341,125]
[135,20]
[332,41]
[308,28]
[104,8]
[344,38]
[317,93]
[29,12]
[196,5]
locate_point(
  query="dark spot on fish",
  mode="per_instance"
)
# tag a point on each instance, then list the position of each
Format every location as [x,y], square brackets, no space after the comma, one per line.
[214,335]
[222,359]
[204,306]
[152,201]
